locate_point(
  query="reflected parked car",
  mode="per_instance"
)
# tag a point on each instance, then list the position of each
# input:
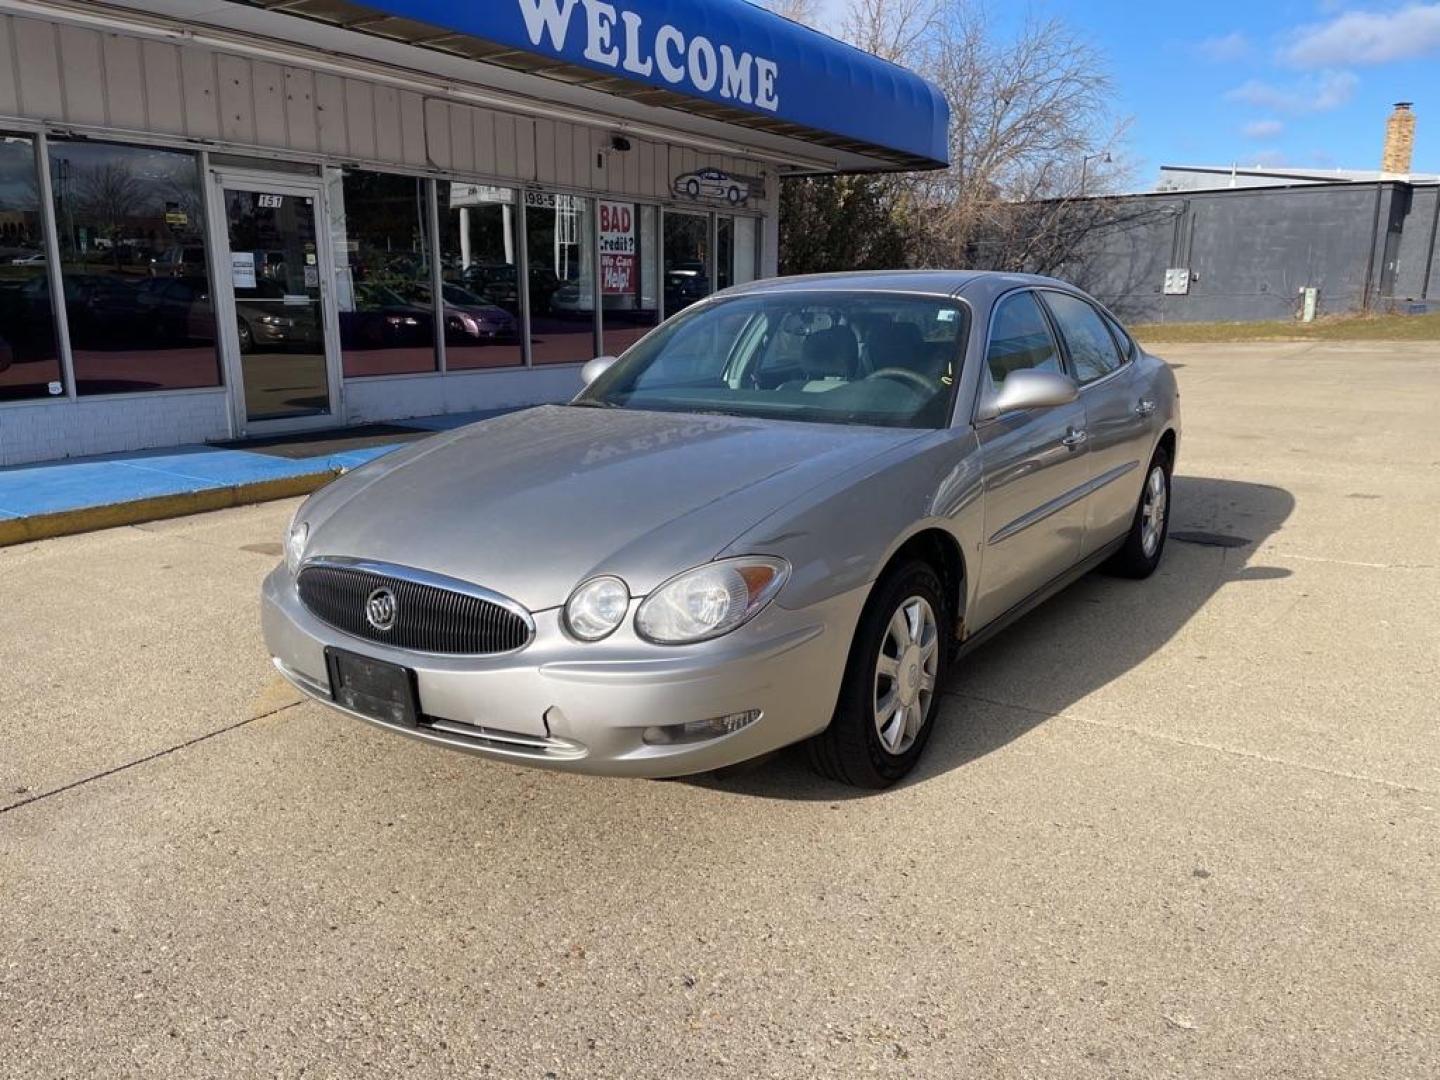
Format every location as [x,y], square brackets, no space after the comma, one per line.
[35,259]
[470,318]
[383,319]
[747,532]
[685,282]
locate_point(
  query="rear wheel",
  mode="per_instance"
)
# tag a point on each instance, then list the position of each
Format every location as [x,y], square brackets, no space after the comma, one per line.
[892,682]
[1151,526]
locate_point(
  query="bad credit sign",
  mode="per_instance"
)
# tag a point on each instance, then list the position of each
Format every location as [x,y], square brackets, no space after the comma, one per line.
[618,249]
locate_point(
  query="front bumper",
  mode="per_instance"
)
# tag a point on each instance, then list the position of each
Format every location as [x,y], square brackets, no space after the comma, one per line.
[561,704]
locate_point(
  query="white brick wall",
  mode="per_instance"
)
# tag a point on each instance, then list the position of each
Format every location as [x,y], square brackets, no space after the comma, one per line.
[49,429]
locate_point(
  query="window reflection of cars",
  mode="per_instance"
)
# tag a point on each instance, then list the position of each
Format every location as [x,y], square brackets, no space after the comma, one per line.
[384,319]
[470,317]
[35,259]
[7,355]
[685,282]
[570,297]
[100,309]
[712,184]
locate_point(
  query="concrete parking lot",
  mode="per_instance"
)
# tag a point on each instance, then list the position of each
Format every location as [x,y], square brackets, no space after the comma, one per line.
[1186,827]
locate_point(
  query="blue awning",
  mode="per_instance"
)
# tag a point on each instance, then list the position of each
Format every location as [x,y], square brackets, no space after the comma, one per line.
[724,59]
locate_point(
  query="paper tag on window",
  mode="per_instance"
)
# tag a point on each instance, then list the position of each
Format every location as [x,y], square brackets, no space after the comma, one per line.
[56,388]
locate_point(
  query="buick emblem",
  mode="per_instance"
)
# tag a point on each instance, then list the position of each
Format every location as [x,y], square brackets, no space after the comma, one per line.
[380,609]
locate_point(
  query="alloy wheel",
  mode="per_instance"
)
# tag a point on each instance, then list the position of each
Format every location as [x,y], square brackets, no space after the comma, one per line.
[905,674]
[1153,506]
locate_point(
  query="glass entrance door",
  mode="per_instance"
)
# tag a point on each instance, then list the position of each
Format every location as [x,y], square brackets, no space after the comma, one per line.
[280,326]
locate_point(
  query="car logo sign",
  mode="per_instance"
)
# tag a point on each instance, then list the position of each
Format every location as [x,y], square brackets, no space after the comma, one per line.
[381,609]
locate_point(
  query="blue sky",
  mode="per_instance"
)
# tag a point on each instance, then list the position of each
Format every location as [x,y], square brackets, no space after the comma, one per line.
[1286,82]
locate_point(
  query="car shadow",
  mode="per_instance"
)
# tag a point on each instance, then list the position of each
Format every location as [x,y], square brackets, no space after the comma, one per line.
[1216,528]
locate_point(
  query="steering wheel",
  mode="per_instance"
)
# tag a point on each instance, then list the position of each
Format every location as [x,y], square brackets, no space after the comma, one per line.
[905,375]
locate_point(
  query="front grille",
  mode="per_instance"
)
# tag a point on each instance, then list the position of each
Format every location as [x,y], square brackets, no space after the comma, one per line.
[427,618]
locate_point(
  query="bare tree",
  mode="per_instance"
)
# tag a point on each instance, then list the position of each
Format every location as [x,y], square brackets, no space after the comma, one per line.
[904,31]
[1030,114]
[801,11]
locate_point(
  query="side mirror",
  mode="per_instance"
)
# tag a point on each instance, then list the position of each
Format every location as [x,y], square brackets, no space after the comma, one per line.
[1029,389]
[597,367]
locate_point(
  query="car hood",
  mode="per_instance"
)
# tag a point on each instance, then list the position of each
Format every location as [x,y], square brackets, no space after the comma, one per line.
[533,503]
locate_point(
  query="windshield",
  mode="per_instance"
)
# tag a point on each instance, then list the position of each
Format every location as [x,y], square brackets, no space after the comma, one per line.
[839,358]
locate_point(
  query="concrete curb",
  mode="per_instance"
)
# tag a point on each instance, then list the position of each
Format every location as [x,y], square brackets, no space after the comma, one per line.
[91,518]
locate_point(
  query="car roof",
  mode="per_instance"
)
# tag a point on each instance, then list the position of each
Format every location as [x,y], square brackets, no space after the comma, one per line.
[978,285]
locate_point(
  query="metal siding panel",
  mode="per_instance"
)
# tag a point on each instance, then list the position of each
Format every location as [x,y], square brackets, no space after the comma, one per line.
[564,155]
[388,143]
[360,117]
[545,151]
[582,165]
[84,75]
[492,133]
[9,92]
[330,113]
[164,88]
[37,67]
[268,81]
[437,134]
[631,158]
[124,82]
[462,139]
[412,127]
[524,148]
[300,120]
[202,107]
[237,103]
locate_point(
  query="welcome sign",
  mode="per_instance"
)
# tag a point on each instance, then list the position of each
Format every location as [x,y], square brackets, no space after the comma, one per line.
[726,52]
[616,36]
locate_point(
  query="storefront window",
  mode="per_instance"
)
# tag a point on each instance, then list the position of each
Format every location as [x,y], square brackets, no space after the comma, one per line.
[559,232]
[629,273]
[131,223]
[480,267]
[687,260]
[379,228]
[29,357]
[737,251]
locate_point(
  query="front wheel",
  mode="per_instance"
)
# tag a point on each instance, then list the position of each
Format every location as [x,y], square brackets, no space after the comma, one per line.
[1151,525]
[892,682]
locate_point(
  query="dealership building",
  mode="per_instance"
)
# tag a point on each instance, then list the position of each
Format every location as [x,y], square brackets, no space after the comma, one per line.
[233,219]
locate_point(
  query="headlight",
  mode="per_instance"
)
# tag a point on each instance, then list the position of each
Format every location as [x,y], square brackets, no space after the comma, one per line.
[295,539]
[596,608]
[710,600]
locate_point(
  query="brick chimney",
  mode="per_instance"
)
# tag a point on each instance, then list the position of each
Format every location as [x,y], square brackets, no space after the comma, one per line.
[1399,140]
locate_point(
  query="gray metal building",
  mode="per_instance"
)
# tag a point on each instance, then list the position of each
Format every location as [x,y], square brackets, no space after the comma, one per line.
[1251,253]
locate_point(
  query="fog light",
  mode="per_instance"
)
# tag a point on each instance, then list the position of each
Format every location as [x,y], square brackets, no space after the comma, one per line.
[700,730]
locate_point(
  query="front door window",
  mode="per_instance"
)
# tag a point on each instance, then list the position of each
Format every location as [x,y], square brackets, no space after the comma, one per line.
[280,324]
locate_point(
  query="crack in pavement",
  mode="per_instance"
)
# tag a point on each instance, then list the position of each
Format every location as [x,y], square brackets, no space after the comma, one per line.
[1196,744]
[147,758]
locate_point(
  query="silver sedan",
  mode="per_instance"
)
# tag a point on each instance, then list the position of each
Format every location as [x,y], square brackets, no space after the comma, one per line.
[779,518]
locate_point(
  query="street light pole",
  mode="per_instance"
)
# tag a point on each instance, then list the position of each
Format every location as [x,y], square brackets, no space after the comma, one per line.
[1103,155]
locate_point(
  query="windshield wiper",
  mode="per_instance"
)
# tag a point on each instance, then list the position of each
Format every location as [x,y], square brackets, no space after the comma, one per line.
[593,403]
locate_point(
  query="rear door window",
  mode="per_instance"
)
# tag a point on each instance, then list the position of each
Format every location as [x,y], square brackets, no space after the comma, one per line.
[1092,350]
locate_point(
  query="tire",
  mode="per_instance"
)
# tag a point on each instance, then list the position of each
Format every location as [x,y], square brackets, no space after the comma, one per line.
[1145,544]
[860,748]
[247,337]
[692,188]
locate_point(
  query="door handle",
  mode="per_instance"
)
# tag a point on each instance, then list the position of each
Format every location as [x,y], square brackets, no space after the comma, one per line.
[1144,407]
[1074,438]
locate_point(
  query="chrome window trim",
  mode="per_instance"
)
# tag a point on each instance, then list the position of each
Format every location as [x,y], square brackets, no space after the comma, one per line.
[432,580]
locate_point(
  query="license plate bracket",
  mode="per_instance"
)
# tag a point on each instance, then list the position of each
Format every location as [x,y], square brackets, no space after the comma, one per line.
[373,688]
